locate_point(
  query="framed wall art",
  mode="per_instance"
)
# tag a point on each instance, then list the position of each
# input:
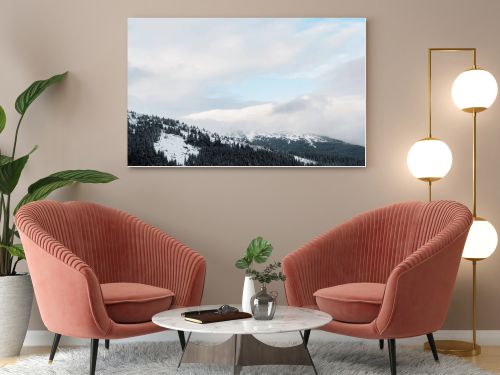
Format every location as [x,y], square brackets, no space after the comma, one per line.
[247,92]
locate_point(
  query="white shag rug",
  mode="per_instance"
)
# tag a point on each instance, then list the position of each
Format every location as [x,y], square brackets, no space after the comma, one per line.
[154,358]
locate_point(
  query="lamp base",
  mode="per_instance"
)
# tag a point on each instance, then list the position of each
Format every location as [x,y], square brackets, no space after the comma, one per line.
[456,348]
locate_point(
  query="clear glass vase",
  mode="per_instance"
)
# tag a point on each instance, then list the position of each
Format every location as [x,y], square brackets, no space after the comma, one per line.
[263,304]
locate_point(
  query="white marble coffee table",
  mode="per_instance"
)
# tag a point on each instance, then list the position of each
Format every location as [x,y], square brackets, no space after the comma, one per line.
[242,348]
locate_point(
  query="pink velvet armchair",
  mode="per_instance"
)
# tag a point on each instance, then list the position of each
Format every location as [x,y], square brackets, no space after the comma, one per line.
[385,274]
[99,273]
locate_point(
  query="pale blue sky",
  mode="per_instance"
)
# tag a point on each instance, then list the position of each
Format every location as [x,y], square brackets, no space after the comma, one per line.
[229,75]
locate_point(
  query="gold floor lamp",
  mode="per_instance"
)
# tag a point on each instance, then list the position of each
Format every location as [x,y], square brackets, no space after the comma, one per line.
[430,159]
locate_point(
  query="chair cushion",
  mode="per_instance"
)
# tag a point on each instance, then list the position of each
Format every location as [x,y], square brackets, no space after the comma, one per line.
[135,303]
[351,303]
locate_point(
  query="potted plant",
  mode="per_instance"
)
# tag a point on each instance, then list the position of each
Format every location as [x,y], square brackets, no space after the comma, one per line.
[258,250]
[16,291]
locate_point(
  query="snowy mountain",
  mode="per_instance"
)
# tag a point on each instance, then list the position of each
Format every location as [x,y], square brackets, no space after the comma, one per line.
[155,140]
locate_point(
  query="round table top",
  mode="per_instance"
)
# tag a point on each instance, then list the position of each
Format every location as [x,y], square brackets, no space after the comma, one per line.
[286,319]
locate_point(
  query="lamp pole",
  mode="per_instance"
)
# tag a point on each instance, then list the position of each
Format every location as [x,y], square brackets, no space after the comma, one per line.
[429,97]
[474,215]
[476,349]
[454,347]
[474,165]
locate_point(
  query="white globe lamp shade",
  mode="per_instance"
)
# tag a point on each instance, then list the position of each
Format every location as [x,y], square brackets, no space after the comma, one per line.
[481,241]
[429,159]
[474,90]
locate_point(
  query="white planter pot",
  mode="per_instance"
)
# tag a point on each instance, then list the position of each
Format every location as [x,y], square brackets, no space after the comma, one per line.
[248,292]
[16,298]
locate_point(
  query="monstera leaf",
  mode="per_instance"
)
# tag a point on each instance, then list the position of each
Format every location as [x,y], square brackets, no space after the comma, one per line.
[258,250]
[242,263]
[29,95]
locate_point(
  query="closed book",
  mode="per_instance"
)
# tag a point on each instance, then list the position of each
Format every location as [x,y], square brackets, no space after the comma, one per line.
[195,313]
[210,317]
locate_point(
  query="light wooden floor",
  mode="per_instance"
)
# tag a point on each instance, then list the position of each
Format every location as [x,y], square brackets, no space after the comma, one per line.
[488,360]
[26,352]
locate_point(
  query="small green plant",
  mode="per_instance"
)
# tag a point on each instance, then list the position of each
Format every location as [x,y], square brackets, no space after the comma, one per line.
[269,274]
[11,169]
[259,250]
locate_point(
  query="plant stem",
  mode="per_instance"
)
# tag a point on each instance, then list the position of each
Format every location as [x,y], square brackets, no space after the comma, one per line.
[3,255]
[3,251]
[5,234]
[15,137]
[6,237]
[12,234]
[13,271]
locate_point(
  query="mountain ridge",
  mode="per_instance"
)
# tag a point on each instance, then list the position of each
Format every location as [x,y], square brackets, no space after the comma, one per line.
[156,140]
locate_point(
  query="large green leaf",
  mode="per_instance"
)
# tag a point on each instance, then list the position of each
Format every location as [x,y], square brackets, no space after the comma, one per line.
[42,193]
[4,159]
[259,250]
[46,181]
[15,250]
[43,187]
[29,95]
[86,176]
[242,263]
[3,119]
[10,172]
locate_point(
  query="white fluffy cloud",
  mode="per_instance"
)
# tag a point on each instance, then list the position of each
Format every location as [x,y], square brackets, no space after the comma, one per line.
[313,115]
[251,75]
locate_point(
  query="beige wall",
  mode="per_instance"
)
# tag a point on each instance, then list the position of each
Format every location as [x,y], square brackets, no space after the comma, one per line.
[82,124]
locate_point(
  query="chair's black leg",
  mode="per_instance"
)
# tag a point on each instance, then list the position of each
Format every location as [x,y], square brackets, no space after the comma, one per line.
[106,344]
[182,339]
[392,355]
[94,345]
[432,344]
[55,344]
[307,333]
[381,344]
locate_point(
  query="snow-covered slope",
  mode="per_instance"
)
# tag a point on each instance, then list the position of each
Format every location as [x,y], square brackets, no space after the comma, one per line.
[175,148]
[304,160]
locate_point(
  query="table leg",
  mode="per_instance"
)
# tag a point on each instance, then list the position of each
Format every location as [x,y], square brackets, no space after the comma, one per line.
[246,350]
[184,350]
[223,353]
[236,366]
[182,339]
[305,340]
[252,352]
